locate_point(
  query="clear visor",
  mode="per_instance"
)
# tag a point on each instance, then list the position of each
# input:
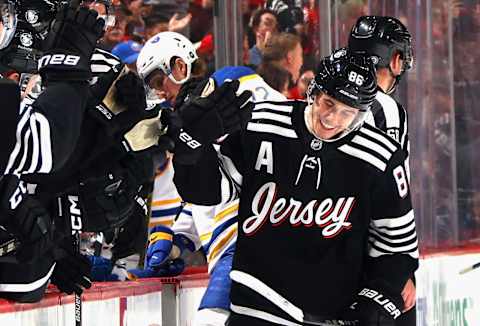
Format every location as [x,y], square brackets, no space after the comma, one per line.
[8,24]
[154,85]
[330,120]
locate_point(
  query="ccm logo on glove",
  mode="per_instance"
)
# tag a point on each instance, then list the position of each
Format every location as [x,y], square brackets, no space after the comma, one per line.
[58,59]
[388,305]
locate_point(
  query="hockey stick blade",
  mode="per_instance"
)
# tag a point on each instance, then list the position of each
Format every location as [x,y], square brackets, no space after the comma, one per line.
[469,269]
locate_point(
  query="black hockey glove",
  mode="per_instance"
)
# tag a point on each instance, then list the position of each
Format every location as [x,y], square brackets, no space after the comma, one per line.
[189,89]
[107,200]
[132,237]
[72,272]
[70,44]
[206,119]
[131,93]
[26,219]
[376,305]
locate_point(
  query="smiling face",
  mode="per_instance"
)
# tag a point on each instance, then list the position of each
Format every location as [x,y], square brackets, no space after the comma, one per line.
[330,117]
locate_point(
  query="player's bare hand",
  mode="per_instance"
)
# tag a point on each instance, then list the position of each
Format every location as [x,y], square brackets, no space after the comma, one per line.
[175,24]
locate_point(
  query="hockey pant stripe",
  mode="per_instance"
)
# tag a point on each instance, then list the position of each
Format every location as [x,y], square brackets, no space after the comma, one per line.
[5,287]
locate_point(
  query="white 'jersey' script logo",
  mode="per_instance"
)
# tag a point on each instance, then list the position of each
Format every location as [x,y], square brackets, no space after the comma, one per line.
[327,214]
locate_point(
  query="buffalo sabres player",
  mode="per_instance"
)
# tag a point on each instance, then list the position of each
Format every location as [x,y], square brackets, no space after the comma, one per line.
[388,42]
[324,205]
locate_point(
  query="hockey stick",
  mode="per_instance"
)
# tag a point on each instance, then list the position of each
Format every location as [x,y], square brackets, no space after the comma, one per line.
[76,226]
[277,299]
[75,216]
[469,269]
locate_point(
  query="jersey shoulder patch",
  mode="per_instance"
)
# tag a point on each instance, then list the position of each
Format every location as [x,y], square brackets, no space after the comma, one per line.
[274,118]
[371,145]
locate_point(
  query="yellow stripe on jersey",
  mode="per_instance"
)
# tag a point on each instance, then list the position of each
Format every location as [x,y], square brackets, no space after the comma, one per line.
[247,77]
[166,222]
[205,237]
[157,236]
[166,201]
[225,212]
[220,245]
[229,210]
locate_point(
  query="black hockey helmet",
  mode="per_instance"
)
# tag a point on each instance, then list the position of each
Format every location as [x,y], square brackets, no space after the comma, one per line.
[28,23]
[347,77]
[381,37]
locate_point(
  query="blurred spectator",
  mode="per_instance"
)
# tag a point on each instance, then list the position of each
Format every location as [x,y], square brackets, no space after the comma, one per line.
[285,50]
[158,21]
[299,92]
[128,52]
[205,46]
[155,24]
[264,25]
[114,34]
[275,76]
[289,14]
[202,19]
[169,7]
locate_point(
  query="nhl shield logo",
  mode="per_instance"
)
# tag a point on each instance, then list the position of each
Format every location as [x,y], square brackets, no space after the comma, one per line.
[316,144]
[31,16]
[26,39]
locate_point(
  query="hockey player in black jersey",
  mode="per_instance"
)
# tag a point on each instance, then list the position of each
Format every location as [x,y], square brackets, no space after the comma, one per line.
[388,42]
[46,130]
[326,228]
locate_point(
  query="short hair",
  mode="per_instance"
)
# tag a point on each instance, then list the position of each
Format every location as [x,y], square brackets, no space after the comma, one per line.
[257,16]
[274,75]
[279,45]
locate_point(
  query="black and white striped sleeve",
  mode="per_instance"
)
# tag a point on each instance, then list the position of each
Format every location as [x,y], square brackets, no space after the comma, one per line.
[392,243]
[48,129]
[392,227]
[391,117]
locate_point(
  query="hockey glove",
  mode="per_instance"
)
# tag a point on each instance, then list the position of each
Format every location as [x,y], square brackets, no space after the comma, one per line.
[160,243]
[103,270]
[72,272]
[189,90]
[168,269]
[70,44]
[130,93]
[26,219]
[132,236]
[107,200]
[376,305]
[206,119]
